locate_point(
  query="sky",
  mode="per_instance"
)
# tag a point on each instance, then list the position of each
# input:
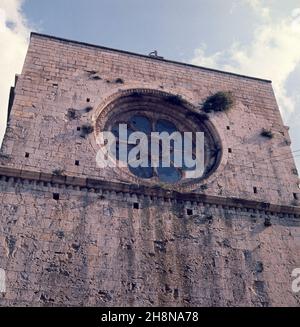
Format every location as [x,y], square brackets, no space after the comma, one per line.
[253,37]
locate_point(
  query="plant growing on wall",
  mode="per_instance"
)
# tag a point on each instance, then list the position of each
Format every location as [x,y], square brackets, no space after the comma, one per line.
[221,101]
[203,187]
[88,109]
[58,172]
[86,130]
[266,133]
[119,81]
[175,100]
[4,156]
[295,171]
[96,78]
[72,114]
[93,75]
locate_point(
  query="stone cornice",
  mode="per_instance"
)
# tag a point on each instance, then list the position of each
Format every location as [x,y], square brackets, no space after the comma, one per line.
[153,192]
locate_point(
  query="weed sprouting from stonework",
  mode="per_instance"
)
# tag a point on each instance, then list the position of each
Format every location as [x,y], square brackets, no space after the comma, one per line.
[4,156]
[58,172]
[160,245]
[76,247]
[295,171]
[72,114]
[60,234]
[119,81]
[209,218]
[88,109]
[11,244]
[203,187]
[268,222]
[91,72]
[221,101]
[86,130]
[175,100]
[203,117]
[287,142]
[96,78]
[267,133]
[93,75]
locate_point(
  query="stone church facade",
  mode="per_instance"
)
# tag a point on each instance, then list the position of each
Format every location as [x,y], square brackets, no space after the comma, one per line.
[74,234]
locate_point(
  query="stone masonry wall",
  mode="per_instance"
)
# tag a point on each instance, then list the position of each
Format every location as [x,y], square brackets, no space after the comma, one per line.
[95,249]
[129,245]
[59,75]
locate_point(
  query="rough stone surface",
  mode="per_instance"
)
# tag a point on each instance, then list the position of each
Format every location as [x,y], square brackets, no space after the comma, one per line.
[91,247]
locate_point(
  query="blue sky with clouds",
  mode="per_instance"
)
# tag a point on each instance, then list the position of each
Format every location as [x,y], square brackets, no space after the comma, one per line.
[254,37]
[175,27]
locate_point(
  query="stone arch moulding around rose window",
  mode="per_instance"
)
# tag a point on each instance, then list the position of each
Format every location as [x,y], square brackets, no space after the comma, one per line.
[165,106]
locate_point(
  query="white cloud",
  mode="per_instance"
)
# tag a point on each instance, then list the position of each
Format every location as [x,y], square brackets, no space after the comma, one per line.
[273,54]
[257,6]
[14,36]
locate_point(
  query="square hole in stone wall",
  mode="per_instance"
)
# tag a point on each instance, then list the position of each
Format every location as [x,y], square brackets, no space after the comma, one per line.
[295,195]
[255,190]
[229,150]
[76,162]
[56,196]
[26,155]
[189,212]
[136,205]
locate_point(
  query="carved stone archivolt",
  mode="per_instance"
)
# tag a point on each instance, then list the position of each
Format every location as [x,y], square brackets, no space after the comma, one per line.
[155,105]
